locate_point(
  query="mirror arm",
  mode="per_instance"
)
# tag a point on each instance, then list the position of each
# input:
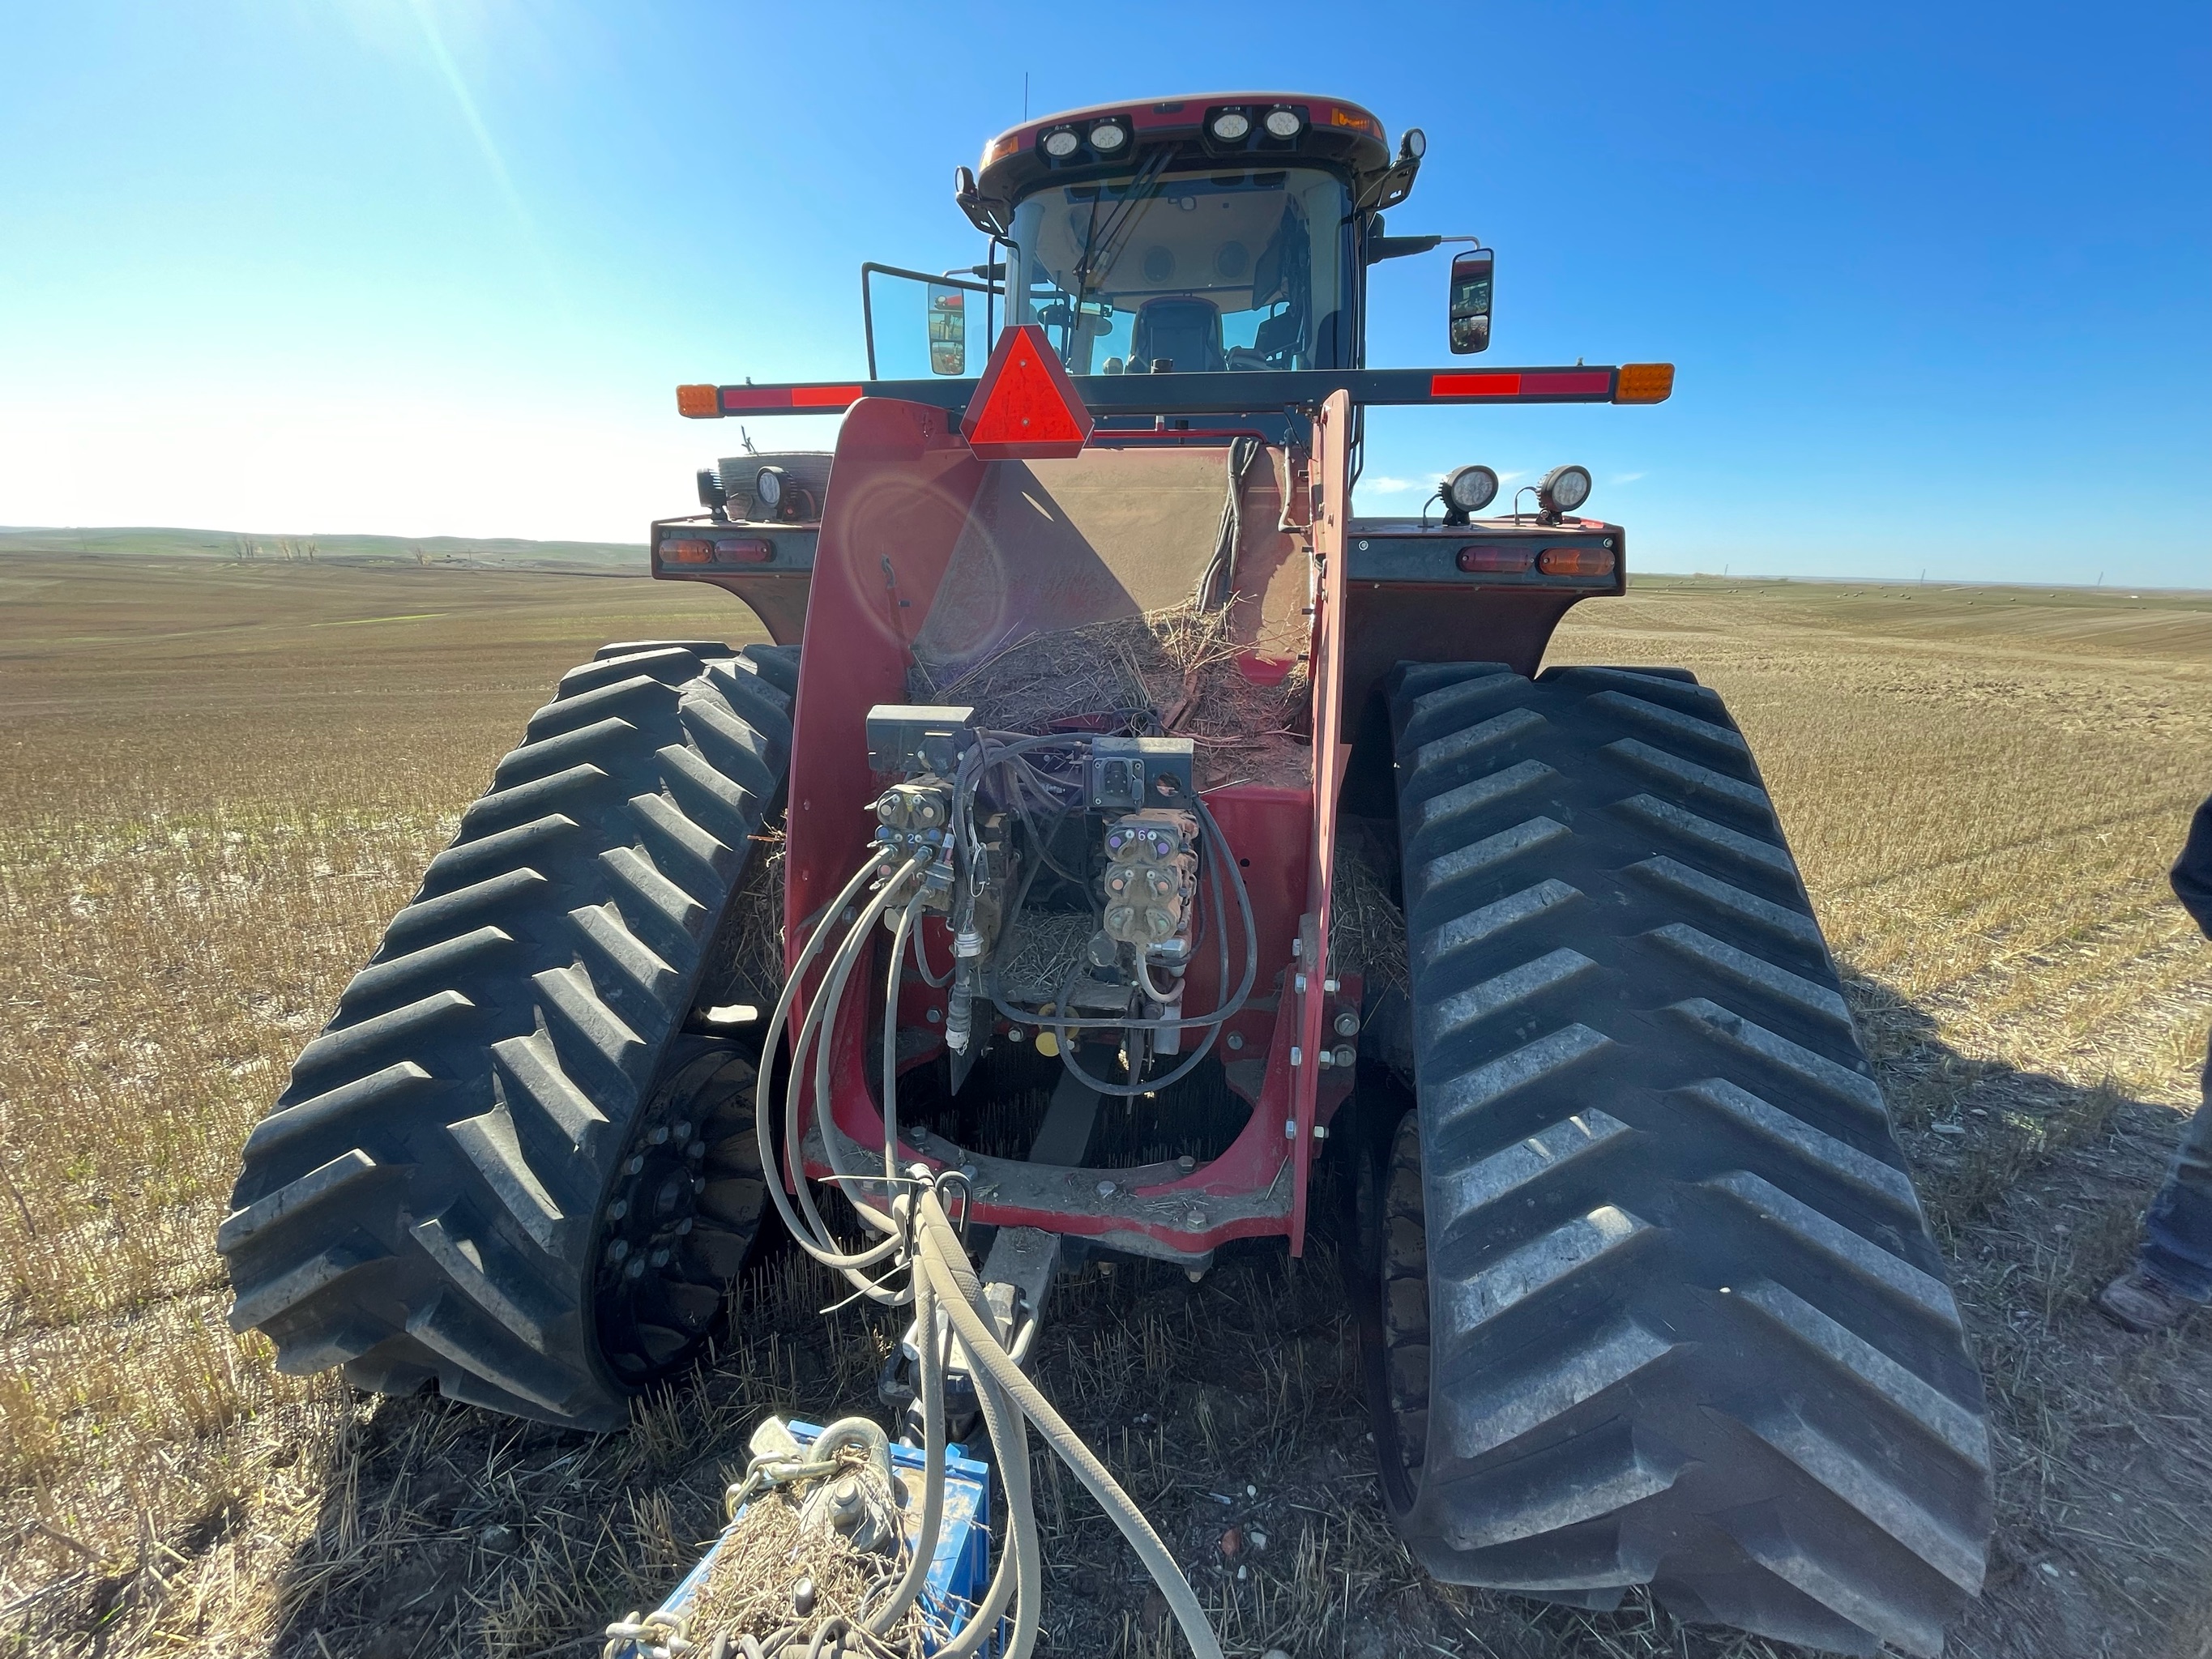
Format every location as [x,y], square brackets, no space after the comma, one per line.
[1380,248]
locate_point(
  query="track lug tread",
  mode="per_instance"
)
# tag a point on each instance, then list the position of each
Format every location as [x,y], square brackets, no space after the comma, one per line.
[1660,1264]
[420,1204]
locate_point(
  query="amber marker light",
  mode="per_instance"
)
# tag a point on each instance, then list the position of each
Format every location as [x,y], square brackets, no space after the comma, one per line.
[1645,383]
[1576,561]
[698,402]
[687,552]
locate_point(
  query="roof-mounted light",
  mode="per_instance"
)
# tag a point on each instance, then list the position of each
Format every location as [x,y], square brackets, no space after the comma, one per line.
[1284,123]
[1467,490]
[1061,142]
[1231,126]
[1108,136]
[1564,489]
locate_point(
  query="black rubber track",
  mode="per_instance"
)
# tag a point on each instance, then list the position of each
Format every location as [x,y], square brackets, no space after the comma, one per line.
[503,1167]
[1657,1304]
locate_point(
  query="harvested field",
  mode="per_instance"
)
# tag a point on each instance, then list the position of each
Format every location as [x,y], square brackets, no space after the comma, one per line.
[226,778]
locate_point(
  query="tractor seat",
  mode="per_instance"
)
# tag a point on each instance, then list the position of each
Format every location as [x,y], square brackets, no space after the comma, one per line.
[1181,328]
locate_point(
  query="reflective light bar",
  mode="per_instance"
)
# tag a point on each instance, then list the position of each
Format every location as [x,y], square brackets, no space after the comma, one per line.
[1524,383]
[698,402]
[1217,391]
[743,399]
[1645,383]
[1494,560]
[1576,561]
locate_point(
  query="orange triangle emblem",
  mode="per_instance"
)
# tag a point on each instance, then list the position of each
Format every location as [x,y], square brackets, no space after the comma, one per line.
[1025,407]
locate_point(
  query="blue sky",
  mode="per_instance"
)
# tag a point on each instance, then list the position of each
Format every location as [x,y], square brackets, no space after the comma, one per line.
[1938,277]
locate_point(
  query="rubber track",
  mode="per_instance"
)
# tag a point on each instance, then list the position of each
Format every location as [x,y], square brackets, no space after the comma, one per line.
[1683,1324]
[423,1201]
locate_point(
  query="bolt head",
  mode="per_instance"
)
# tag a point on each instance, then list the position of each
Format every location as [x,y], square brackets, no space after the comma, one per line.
[1105,1189]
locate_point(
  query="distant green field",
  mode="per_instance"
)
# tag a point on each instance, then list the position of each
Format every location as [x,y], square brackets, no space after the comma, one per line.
[254,547]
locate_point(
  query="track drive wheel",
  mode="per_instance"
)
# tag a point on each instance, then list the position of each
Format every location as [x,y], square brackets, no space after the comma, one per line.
[505,1167]
[1648,1296]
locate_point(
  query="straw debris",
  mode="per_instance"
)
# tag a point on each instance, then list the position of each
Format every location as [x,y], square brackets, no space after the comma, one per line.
[767,1555]
[1366,928]
[1177,671]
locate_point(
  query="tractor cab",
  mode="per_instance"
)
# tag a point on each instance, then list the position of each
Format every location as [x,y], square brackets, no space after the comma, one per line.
[1185,236]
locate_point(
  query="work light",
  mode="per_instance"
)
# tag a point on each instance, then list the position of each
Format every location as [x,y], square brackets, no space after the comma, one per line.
[1282,124]
[1108,136]
[1564,489]
[1232,124]
[767,490]
[1468,489]
[1062,144]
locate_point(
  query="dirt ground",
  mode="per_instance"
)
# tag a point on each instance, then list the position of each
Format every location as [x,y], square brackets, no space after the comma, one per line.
[224,778]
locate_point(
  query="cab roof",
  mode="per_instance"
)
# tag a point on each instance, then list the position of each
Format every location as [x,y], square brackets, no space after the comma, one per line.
[1333,131]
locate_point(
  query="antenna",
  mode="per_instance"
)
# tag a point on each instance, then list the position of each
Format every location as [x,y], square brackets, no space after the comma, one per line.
[1026,95]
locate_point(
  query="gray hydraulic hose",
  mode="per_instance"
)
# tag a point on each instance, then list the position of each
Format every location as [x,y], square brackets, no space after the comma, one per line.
[820,1029]
[933,1463]
[764,1094]
[1022,1566]
[938,1250]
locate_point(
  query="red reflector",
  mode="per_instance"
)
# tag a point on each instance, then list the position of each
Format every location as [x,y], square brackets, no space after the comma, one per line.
[749,549]
[1025,408]
[1569,383]
[687,552]
[1576,561]
[1494,560]
[1474,386]
[741,398]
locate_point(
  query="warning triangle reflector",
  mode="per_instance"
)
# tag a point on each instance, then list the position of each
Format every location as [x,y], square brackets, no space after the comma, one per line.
[1025,407]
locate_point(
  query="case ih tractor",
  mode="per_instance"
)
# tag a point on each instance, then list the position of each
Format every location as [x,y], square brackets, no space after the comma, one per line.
[1115,827]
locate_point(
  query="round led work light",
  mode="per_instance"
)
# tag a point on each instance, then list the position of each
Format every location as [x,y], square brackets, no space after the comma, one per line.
[1232,124]
[1564,489]
[1467,491]
[768,491]
[1062,144]
[1282,124]
[1108,136]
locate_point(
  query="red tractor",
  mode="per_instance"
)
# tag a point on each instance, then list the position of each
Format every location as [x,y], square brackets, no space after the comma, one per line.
[1104,766]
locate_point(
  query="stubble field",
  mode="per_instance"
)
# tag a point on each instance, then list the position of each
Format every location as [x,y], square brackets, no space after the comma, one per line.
[223,779]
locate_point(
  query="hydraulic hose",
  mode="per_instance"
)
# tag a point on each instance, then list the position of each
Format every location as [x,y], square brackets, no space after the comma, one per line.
[764,1092]
[924,1553]
[940,1253]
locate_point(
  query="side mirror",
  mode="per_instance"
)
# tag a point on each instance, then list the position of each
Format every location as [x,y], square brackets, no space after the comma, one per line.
[948,330]
[1470,301]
